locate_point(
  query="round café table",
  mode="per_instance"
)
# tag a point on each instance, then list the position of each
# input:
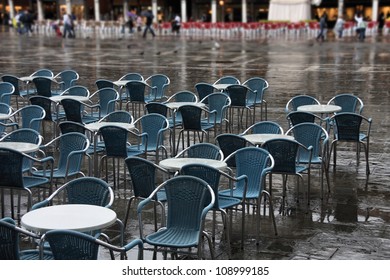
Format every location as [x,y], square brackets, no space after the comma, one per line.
[260,138]
[79,217]
[22,147]
[319,109]
[175,164]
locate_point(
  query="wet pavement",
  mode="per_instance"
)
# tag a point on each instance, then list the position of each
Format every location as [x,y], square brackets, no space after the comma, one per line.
[352,222]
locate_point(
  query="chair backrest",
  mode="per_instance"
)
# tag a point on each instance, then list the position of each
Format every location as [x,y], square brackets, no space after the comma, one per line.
[4,109]
[186,200]
[157,107]
[300,100]
[229,143]
[348,102]
[11,165]
[143,176]
[264,127]
[191,117]
[69,126]
[86,190]
[218,102]
[115,140]
[102,83]
[31,116]
[77,90]
[27,135]
[132,77]
[183,96]
[43,73]
[309,134]
[107,100]
[72,147]
[6,90]
[12,80]
[72,245]
[73,109]
[255,163]
[43,86]
[258,85]
[285,153]
[204,89]
[119,116]
[202,150]
[208,174]
[237,94]
[297,117]
[154,125]
[68,78]
[161,82]
[347,126]
[45,103]
[228,80]
[9,240]
[136,91]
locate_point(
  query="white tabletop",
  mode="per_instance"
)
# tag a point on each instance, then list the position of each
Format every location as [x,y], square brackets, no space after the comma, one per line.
[176,105]
[97,125]
[121,83]
[221,86]
[79,217]
[30,78]
[319,109]
[258,139]
[58,98]
[175,164]
[22,147]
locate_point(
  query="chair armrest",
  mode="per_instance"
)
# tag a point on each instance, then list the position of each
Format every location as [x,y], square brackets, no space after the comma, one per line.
[40,204]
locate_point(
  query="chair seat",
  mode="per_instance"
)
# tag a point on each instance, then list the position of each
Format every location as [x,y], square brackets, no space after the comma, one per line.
[238,193]
[228,202]
[174,237]
[30,182]
[34,255]
[57,173]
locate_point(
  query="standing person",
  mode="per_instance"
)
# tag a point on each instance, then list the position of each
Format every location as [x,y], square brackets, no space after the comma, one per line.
[28,21]
[323,27]
[67,20]
[176,24]
[360,26]
[339,27]
[149,21]
[132,18]
[381,22]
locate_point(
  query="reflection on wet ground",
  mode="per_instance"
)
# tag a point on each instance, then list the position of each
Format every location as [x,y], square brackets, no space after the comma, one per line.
[352,222]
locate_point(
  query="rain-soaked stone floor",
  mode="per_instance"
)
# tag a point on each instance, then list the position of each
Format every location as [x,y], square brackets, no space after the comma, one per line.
[352,221]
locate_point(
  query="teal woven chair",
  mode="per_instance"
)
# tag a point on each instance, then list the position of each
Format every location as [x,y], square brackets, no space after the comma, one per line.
[6,91]
[189,199]
[348,102]
[222,204]
[300,100]
[66,79]
[255,163]
[264,127]
[259,86]
[10,243]
[159,84]
[73,245]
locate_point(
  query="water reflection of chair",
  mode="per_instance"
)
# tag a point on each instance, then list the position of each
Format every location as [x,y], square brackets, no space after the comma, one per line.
[255,163]
[351,127]
[223,204]
[188,202]
[143,175]
[286,154]
[259,86]
[13,179]
[73,245]
[10,242]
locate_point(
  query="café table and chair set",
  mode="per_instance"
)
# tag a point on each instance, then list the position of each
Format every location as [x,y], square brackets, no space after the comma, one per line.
[266,150]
